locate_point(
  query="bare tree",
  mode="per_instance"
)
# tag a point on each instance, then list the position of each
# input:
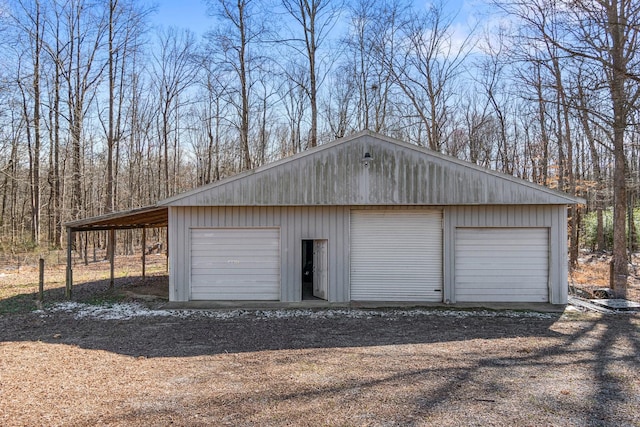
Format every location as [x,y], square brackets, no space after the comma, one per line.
[265,98]
[126,26]
[174,70]
[492,78]
[316,19]
[339,104]
[82,71]
[212,117]
[292,95]
[427,66]
[12,130]
[601,34]
[54,48]
[370,40]
[144,186]
[233,46]
[583,106]
[617,50]
[30,22]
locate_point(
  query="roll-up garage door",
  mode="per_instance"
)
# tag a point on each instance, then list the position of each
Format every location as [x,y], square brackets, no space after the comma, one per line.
[502,264]
[235,264]
[396,255]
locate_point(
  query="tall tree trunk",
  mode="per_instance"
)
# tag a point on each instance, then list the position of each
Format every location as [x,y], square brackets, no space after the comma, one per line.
[35,176]
[618,73]
[110,137]
[542,120]
[244,89]
[583,112]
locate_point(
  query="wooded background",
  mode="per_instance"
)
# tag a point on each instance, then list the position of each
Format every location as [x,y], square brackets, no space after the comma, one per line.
[103,112]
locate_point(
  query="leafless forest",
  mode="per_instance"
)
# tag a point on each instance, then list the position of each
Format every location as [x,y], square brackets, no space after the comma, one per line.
[101,111]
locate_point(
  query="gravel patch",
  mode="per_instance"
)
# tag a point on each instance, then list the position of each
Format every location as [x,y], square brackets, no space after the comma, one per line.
[124,311]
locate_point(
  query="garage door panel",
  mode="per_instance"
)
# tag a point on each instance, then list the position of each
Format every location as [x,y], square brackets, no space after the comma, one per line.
[210,274]
[219,288]
[469,287]
[235,264]
[500,292]
[501,264]
[257,265]
[244,295]
[232,248]
[509,251]
[396,255]
[507,274]
[501,297]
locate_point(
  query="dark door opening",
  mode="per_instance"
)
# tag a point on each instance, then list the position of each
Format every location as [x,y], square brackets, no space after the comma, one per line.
[314,270]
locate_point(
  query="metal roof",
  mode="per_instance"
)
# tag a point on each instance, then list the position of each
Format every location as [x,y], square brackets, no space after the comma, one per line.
[146,217]
[398,173]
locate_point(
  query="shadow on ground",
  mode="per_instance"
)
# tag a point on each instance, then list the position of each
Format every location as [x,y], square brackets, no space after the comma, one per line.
[175,336]
[521,349]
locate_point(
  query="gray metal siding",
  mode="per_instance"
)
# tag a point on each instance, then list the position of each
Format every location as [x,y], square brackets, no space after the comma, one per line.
[296,224]
[552,217]
[332,223]
[399,174]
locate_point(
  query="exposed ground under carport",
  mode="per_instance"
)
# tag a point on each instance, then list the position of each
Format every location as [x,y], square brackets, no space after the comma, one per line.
[141,218]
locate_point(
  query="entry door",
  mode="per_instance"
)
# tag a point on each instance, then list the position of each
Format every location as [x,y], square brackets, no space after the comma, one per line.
[320,273]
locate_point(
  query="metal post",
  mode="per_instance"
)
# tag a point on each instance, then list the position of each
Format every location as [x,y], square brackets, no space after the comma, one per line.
[41,280]
[112,249]
[69,269]
[144,252]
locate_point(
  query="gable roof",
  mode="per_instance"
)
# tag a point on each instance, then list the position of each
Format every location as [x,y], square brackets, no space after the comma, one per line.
[398,174]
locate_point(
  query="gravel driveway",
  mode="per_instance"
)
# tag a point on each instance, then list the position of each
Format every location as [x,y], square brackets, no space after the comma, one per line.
[123,365]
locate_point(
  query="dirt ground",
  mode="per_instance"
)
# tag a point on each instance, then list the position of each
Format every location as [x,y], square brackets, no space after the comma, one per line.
[114,358]
[379,368]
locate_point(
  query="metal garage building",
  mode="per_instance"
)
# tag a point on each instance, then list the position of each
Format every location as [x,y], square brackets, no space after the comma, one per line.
[369,218]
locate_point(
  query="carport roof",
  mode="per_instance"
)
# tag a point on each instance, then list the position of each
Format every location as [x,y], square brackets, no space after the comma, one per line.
[146,217]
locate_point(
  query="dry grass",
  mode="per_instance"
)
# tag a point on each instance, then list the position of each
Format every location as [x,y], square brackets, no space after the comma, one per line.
[19,286]
[593,273]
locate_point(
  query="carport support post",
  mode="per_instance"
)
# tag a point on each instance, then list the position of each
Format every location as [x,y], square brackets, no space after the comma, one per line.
[144,252]
[41,279]
[69,283]
[112,249]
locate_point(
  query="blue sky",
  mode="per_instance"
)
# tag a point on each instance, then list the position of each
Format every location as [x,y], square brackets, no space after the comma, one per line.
[192,14]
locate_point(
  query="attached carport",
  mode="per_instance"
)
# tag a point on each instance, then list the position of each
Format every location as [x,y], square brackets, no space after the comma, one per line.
[141,218]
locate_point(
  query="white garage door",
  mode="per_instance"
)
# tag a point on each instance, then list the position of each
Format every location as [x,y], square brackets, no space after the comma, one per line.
[235,264]
[396,255]
[502,264]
